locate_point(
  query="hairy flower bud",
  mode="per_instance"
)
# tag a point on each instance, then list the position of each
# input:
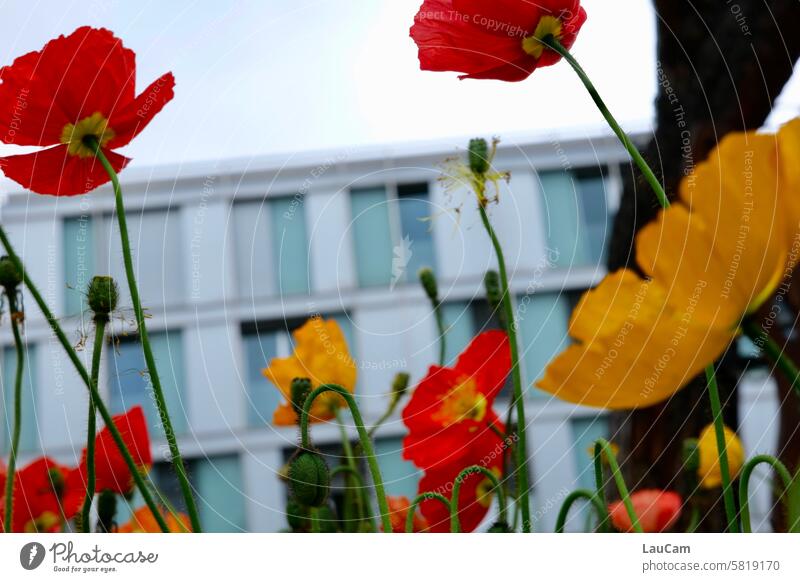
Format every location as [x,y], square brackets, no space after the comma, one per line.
[300,389]
[499,527]
[428,280]
[103,296]
[479,156]
[400,385]
[309,478]
[297,516]
[10,276]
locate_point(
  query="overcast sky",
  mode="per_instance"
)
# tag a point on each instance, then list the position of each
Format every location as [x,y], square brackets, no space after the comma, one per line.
[258,77]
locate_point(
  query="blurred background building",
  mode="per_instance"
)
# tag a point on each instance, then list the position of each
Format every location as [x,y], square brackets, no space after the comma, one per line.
[231,256]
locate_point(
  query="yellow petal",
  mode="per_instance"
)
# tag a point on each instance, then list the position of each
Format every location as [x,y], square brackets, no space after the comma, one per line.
[709,471]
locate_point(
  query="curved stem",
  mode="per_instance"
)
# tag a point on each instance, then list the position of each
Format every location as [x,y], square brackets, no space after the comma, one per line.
[603,448]
[97,352]
[158,392]
[91,386]
[366,444]
[521,449]
[744,483]
[774,352]
[563,513]
[426,496]
[12,455]
[455,522]
[722,450]
[640,162]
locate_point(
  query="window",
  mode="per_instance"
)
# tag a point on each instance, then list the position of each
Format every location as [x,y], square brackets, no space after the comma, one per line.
[156,242]
[399,476]
[577,216]
[29,431]
[543,320]
[585,431]
[464,320]
[391,234]
[264,341]
[130,385]
[271,245]
[79,262]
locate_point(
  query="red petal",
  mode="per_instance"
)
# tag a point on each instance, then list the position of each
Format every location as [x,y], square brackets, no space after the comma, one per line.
[447,446]
[504,17]
[488,360]
[657,511]
[111,469]
[427,398]
[53,171]
[131,120]
[71,78]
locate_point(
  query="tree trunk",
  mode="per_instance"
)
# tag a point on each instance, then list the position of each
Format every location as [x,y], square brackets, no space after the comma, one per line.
[721,64]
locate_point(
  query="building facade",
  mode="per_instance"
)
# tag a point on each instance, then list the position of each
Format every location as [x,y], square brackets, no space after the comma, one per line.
[231,256]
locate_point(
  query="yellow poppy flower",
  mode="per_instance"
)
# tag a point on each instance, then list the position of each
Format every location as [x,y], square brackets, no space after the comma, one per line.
[716,255]
[708,472]
[321,355]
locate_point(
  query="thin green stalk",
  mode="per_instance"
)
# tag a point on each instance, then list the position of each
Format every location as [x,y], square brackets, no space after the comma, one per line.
[313,514]
[366,444]
[12,455]
[554,44]
[158,392]
[774,352]
[426,496]
[521,449]
[350,464]
[694,519]
[592,498]
[93,392]
[437,312]
[744,484]
[722,449]
[97,352]
[658,189]
[455,522]
[603,448]
[362,488]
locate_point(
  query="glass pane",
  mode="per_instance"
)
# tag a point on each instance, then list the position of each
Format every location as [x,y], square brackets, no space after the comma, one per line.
[415,210]
[543,322]
[459,323]
[563,220]
[584,432]
[399,476]
[29,429]
[260,348]
[372,237]
[78,262]
[252,246]
[596,220]
[289,245]
[130,385]
[220,496]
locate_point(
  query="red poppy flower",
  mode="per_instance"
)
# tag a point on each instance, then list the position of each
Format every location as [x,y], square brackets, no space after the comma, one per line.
[657,511]
[111,471]
[77,86]
[450,413]
[398,514]
[39,492]
[493,39]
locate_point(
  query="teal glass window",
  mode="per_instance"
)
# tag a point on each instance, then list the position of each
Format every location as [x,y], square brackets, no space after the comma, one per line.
[79,263]
[29,428]
[415,211]
[289,245]
[543,320]
[400,477]
[372,236]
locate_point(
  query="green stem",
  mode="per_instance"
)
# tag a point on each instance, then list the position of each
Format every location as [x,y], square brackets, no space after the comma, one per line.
[97,352]
[521,449]
[437,312]
[694,519]
[455,522]
[158,392]
[722,450]
[366,444]
[426,496]
[92,387]
[774,352]
[12,455]
[351,464]
[563,513]
[314,516]
[658,189]
[744,484]
[603,448]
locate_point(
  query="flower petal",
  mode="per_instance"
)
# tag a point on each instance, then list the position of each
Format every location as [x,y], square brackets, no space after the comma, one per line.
[128,122]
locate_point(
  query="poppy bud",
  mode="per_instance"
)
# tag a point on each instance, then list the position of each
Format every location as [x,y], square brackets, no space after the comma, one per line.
[400,385]
[10,277]
[691,455]
[499,527]
[297,516]
[478,156]
[309,478]
[428,280]
[300,389]
[103,296]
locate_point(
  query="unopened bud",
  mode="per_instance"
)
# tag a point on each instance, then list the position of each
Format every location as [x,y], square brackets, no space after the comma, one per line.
[103,296]
[428,280]
[297,516]
[309,478]
[10,276]
[499,527]
[478,155]
[400,385]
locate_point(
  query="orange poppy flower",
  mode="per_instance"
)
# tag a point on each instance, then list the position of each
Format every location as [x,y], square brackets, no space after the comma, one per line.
[143,521]
[657,511]
[398,514]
